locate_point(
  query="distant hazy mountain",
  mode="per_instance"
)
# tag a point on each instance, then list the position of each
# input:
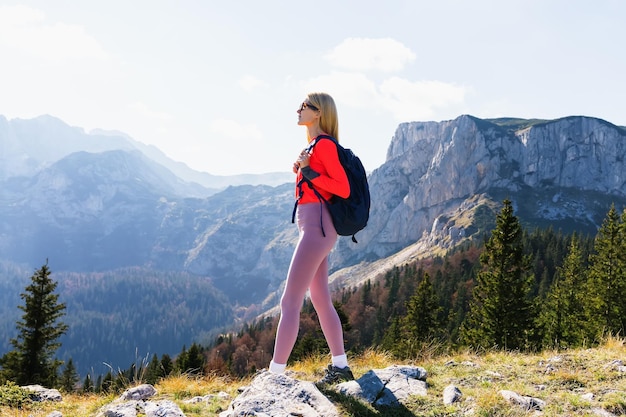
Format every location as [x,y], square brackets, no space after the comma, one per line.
[115,209]
[27,146]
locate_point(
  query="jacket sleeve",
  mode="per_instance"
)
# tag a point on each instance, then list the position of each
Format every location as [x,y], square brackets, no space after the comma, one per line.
[334,179]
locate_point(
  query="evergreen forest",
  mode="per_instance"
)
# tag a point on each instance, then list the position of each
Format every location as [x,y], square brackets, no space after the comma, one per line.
[119,317]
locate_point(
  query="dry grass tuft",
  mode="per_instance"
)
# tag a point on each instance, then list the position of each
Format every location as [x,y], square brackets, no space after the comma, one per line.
[185,386]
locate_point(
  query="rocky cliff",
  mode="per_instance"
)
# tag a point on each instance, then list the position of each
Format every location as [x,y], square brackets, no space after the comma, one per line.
[441,180]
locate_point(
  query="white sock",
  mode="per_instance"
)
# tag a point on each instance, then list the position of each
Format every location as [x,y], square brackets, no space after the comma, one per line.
[340,361]
[277,368]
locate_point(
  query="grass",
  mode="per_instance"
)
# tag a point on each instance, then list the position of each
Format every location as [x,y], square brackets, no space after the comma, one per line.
[560,378]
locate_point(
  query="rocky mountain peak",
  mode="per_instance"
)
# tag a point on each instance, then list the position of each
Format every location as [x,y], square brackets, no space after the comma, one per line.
[435,173]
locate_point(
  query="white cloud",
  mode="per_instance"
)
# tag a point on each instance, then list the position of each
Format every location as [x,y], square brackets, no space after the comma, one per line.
[354,89]
[249,83]
[403,99]
[362,54]
[25,29]
[416,100]
[19,15]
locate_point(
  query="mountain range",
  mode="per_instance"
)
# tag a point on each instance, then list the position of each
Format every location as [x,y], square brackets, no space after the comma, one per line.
[100,204]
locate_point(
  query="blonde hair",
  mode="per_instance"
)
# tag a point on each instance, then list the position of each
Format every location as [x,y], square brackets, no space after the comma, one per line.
[329,121]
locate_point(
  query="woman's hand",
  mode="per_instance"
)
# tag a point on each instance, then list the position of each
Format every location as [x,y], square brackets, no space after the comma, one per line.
[303,159]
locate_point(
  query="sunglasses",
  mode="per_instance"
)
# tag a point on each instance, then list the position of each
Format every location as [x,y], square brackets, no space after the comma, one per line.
[306,105]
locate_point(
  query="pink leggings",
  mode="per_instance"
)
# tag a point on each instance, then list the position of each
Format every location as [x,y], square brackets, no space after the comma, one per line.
[309,270]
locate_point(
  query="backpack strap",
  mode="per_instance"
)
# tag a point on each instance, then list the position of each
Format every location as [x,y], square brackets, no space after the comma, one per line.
[310,184]
[319,196]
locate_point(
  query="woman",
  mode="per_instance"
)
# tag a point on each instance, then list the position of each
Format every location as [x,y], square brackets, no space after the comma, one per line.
[309,265]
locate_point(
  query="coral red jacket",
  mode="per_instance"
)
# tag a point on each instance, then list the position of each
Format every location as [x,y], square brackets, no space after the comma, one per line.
[325,172]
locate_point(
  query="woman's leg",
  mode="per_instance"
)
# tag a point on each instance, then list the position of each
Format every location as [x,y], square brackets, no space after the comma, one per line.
[331,326]
[323,304]
[310,253]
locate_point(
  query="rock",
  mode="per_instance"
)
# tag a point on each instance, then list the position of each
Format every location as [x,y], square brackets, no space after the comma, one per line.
[494,374]
[602,412]
[368,387]
[403,382]
[528,403]
[387,387]
[40,393]
[451,394]
[280,396]
[618,365]
[134,408]
[121,409]
[133,402]
[198,399]
[140,392]
[164,408]
[207,398]
[588,396]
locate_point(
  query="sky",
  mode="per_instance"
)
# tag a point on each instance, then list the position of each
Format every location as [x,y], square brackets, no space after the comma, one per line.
[216,84]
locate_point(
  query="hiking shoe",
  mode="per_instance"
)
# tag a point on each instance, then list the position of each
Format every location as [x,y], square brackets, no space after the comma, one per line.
[334,375]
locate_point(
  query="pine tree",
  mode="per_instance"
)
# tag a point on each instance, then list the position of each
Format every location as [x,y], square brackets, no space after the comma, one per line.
[69,377]
[107,383]
[88,384]
[366,291]
[381,325]
[621,284]
[457,313]
[393,282]
[607,276]
[562,319]
[154,371]
[181,360]
[98,387]
[391,339]
[31,362]
[500,311]
[167,365]
[422,321]
[195,359]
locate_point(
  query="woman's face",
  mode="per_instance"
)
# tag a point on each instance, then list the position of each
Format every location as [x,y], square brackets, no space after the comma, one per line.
[307,113]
